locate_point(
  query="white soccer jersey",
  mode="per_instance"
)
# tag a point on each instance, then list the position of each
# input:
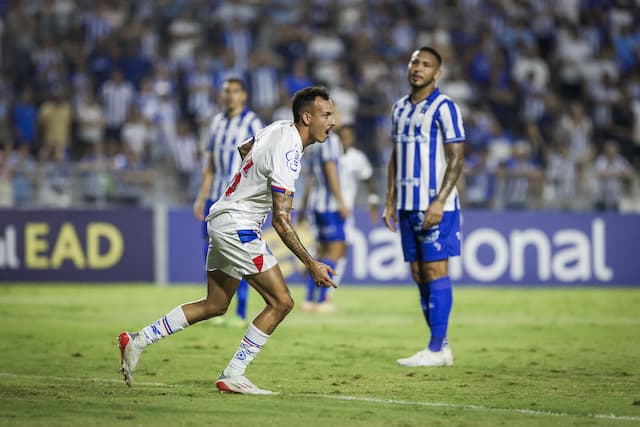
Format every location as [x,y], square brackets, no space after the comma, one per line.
[321,199]
[419,132]
[227,134]
[273,164]
[356,167]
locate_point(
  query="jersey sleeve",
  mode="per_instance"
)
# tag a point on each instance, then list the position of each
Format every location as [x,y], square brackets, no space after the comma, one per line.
[451,119]
[285,165]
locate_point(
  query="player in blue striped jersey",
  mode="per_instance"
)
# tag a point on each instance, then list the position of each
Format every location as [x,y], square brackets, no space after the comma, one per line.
[229,129]
[330,211]
[426,162]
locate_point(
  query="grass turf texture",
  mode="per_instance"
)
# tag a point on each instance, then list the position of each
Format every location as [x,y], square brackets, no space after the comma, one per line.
[523,357]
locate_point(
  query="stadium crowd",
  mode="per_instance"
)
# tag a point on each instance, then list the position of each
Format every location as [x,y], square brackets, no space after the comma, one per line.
[109,101]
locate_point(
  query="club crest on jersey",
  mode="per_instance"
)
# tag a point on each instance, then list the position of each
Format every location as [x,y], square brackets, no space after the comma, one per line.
[293,159]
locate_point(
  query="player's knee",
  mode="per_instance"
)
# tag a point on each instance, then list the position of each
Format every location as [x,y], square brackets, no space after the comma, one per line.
[284,305]
[435,273]
[214,309]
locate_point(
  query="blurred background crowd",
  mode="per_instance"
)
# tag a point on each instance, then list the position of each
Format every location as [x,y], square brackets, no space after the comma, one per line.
[108,101]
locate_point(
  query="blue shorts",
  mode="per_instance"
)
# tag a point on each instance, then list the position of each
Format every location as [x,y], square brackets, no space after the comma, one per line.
[207,206]
[330,226]
[434,244]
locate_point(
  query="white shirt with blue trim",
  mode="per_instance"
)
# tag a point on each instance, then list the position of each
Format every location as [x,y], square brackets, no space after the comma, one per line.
[273,164]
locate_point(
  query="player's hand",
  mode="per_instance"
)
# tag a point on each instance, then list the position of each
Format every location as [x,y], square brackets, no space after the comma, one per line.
[390,217]
[198,209]
[320,274]
[433,215]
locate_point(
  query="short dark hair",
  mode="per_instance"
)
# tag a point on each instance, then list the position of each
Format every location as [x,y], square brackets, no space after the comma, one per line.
[433,52]
[306,96]
[236,80]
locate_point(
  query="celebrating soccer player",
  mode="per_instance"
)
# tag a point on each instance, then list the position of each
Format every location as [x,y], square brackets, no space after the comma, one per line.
[264,182]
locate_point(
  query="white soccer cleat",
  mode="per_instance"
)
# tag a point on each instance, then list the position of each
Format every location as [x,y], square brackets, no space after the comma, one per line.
[129,355]
[448,355]
[240,385]
[427,357]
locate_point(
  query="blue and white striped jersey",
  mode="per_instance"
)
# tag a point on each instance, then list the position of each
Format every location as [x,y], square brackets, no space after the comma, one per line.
[227,134]
[117,99]
[419,132]
[321,198]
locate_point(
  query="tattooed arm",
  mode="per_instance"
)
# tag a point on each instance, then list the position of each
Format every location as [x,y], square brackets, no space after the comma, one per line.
[454,153]
[281,221]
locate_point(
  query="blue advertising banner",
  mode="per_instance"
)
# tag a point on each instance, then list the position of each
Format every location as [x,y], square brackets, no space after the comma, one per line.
[498,248]
[186,248]
[76,245]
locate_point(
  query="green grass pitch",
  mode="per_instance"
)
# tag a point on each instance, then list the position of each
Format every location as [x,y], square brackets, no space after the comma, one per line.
[523,357]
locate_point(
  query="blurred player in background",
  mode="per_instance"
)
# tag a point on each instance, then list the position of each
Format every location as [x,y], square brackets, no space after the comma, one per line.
[353,167]
[229,129]
[426,161]
[356,169]
[330,211]
[265,182]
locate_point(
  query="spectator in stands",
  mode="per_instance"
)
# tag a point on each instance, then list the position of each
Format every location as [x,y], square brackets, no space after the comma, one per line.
[520,178]
[54,122]
[137,134]
[560,176]
[117,96]
[90,121]
[187,159]
[25,119]
[479,180]
[614,175]
[24,175]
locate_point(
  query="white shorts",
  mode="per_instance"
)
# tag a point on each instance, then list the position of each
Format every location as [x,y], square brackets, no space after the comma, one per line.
[236,251]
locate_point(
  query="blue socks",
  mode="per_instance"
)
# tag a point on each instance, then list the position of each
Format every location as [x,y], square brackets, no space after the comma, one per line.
[243,295]
[436,299]
[311,286]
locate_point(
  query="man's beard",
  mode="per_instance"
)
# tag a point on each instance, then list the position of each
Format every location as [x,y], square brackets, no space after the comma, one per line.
[415,86]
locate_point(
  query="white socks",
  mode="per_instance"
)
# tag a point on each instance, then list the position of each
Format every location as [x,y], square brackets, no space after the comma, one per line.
[253,341]
[173,322]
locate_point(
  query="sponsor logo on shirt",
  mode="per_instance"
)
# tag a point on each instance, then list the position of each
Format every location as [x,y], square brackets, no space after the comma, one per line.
[293,160]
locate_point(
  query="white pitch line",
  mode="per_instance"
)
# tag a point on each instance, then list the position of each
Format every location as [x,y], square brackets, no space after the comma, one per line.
[353,398]
[473,407]
[85,380]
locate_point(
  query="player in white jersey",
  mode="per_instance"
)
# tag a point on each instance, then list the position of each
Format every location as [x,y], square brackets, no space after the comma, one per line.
[356,168]
[425,164]
[329,213]
[265,182]
[350,166]
[229,129]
